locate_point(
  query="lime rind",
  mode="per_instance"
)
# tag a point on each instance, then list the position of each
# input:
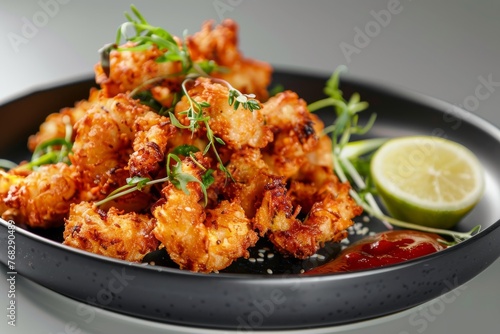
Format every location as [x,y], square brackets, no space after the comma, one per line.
[407,206]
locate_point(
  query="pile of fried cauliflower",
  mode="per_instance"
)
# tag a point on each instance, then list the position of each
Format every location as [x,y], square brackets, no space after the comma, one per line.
[269,169]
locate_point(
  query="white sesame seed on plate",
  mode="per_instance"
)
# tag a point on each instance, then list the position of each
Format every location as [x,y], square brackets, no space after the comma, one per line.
[344,241]
[364,231]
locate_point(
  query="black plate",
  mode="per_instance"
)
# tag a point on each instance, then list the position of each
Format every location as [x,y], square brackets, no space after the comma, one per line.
[245,297]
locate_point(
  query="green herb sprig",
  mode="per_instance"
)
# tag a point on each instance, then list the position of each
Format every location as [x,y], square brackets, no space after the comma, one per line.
[51,151]
[175,175]
[348,154]
[247,101]
[143,35]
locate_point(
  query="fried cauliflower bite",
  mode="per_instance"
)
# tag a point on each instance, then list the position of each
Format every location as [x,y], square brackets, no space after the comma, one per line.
[42,199]
[150,144]
[220,44]
[103,144]
[310,188]
[295,133]
[237,128]
[55,124]
[327,221]
[126,236]
[197,238]
[131,69]
[250,175]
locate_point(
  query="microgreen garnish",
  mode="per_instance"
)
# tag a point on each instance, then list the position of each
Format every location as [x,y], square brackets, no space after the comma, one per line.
[7,164]
[146,97]
[194,114]
[143,35]
[185,150]
[53,151]
[247,101]
[276,89]
[351,157]
[175,175]
[133,184]
[180,179]
[104,53]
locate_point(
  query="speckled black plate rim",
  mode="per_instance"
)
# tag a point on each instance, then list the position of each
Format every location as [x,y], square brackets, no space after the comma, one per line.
[242,276]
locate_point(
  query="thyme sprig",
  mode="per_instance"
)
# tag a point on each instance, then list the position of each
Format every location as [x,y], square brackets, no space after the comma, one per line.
[247,101]
[196,116]
[348,154]
[175,175]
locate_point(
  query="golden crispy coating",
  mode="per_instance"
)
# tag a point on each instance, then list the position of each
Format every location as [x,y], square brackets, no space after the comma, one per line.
[237,128]
[150,144]
[250,174]
[126,236]
[103,143]
[7,179]
[199,239]
[295,133]
[42,198]
[55,124]
[220,44]
[328,219]
[131,69]
[272,169]
[139,69]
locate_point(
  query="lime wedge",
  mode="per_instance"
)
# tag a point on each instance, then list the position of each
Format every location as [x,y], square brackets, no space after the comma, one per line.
[427,180]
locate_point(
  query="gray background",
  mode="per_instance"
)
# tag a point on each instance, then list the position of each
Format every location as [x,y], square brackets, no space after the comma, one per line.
[445,49]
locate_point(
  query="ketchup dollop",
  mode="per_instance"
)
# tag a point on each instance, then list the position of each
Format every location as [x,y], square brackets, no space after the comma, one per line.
[382,249]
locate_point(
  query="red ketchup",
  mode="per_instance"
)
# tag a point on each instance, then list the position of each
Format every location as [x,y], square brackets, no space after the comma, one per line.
[382,249]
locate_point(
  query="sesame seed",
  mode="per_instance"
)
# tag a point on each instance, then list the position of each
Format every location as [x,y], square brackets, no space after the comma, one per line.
[260,259]
[269,271]
[345,241]
[366,219]
[251,259]
[270,255]
[261,254]
[364,231]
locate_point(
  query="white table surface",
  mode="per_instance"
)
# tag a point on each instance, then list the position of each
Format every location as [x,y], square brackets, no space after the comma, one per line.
[445,49]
